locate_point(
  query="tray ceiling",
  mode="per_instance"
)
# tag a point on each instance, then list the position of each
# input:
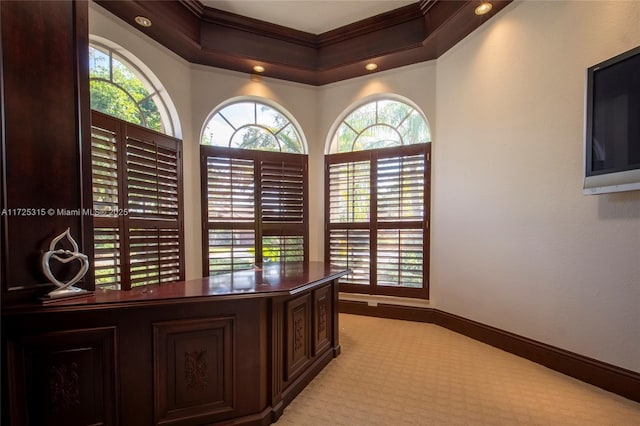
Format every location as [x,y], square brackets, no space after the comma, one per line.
[312,16]
[416,32]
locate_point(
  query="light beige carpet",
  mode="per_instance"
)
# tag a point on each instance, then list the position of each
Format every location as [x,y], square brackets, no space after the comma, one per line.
[395,372]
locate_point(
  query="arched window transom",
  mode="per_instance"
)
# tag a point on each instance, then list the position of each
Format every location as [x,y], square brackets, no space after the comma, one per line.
[120,89]
[382,123]
[252,125]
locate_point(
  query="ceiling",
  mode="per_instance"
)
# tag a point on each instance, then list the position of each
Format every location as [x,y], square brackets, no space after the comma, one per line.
[311,16]
[306,41]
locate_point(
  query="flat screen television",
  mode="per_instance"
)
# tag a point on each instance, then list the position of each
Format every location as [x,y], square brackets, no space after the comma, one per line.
[612,125]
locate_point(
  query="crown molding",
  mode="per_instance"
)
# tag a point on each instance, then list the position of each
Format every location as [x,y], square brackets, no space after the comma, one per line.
[418,32]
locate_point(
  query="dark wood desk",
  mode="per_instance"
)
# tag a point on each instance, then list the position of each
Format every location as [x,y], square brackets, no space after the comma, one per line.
[230,349]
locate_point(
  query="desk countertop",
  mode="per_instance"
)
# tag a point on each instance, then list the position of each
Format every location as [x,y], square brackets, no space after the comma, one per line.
[272,280]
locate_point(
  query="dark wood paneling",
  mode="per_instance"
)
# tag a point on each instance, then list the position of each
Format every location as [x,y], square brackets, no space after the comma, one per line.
[606,376]
[64,378]
[45,138]
[322,311]
[415,33]
[193,369]
[278,350]
[298,338]
[212,358]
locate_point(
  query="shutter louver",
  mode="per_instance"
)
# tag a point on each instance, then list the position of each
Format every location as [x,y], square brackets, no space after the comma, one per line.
[154,256]
[137,193]
[231,250]
[400,257]
[349,248]
[349,208]
[107,257]
[283,249]
[283,193]
[104,170]
[349,192]
[230,189]
[400,200]
[401,188]
[378,205]
[256,205]
[152,180]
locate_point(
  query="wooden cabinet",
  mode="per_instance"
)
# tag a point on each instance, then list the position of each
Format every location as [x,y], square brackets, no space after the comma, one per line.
[186,353]
[193,364]
[298,341]
[68,377]
[305,338]
[45,139]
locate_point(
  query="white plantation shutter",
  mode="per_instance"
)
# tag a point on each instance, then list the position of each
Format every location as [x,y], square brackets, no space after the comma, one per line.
[256,208]
[137,192]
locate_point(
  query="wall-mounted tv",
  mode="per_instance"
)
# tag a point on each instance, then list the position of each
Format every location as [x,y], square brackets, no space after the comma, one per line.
[612,125]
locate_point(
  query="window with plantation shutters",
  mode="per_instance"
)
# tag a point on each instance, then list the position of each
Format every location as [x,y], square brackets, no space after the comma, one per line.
[254,187]
[137,194]
[254,208]
[377,200]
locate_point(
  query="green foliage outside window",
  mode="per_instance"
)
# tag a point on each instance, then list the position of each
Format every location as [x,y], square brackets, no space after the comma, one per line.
[380,124]
[116,90]
[252,125]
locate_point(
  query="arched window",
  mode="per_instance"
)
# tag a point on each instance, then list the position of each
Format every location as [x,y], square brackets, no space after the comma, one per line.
[254,187]
[252,125]
[377,181]
[119,88]
[382,123]
[136,173]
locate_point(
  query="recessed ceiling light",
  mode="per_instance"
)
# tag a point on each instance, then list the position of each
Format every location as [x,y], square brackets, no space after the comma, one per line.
[371,66]
[483,8]
[143,21]
[258,68]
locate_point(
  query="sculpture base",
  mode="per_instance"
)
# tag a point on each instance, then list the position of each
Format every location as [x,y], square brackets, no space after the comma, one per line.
[64,294]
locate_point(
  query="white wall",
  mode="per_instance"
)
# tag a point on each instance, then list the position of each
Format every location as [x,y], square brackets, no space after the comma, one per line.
[515,244]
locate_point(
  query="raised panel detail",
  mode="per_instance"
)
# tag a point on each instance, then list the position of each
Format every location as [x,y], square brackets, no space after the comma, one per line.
[298,339]
[67,378]
[193,369]
[321,319]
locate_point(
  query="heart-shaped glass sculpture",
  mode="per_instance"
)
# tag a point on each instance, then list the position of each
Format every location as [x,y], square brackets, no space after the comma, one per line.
[65,289]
